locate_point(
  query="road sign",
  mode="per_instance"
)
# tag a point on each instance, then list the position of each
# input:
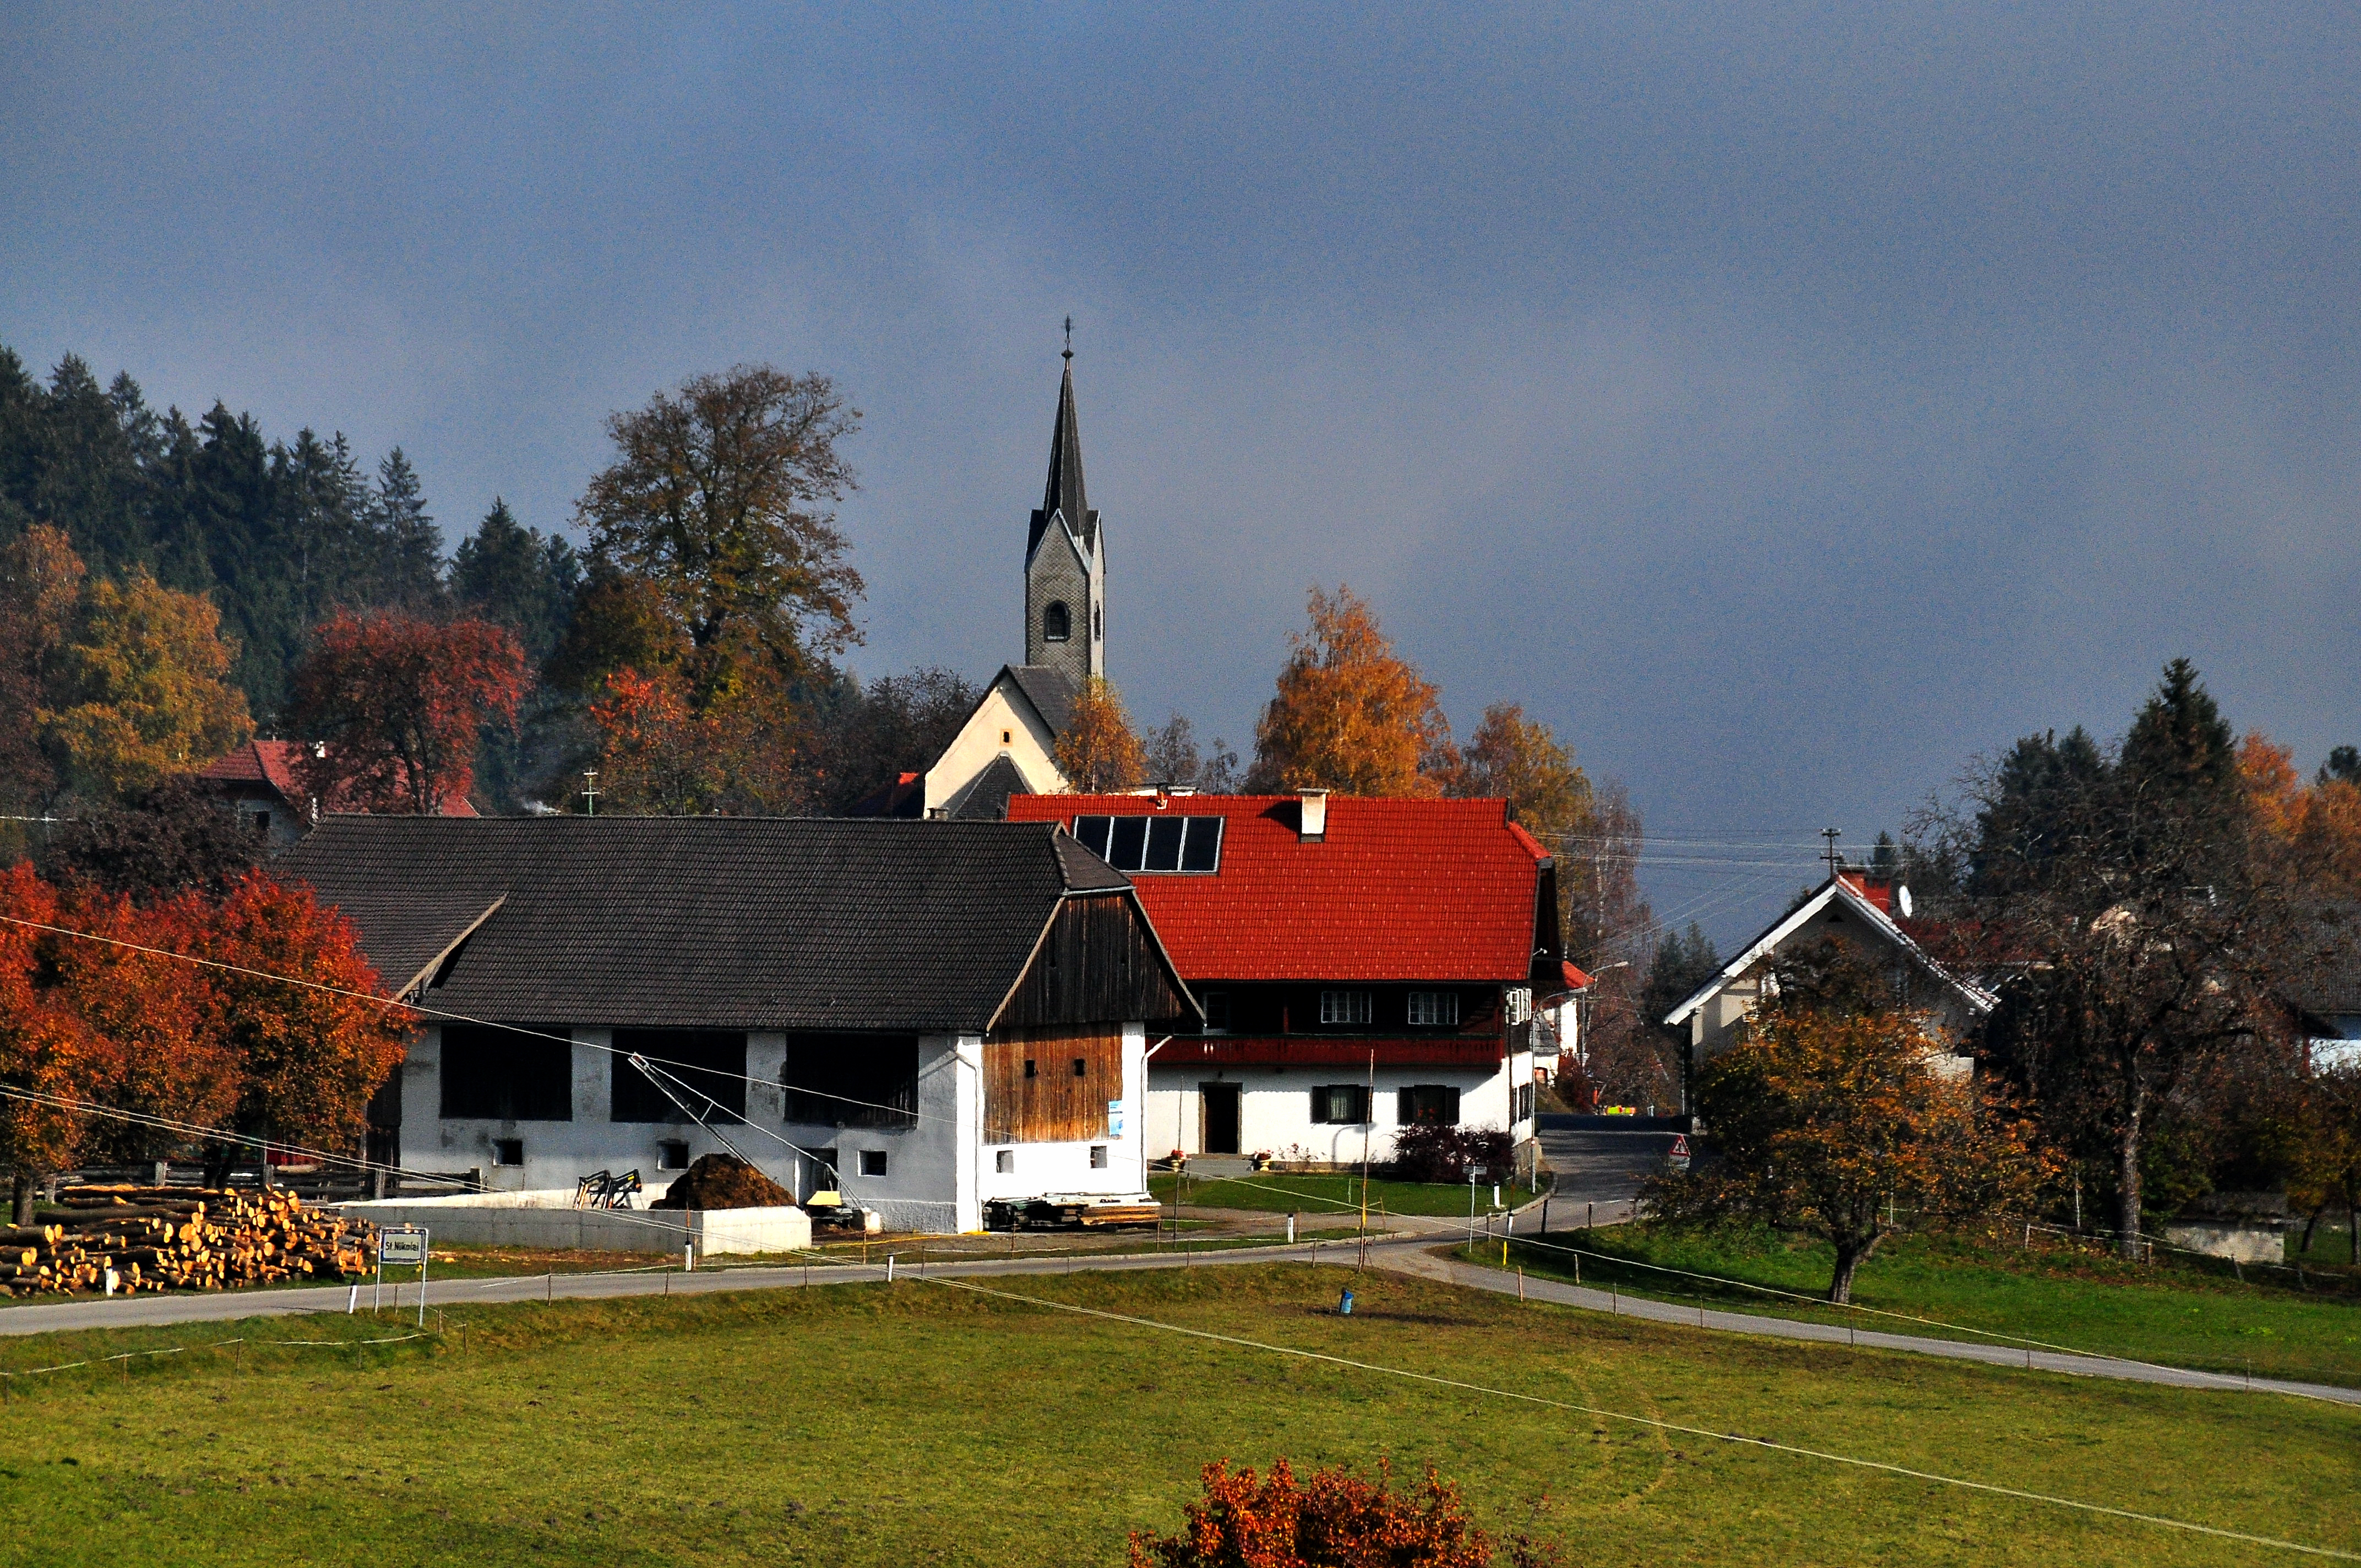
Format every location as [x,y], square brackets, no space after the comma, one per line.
[1678,1157]
[407,1245]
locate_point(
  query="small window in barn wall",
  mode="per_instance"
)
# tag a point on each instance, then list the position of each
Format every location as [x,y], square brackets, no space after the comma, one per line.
[1032,1068]
[1218,1011]
[508,1151]
[1003,1162]
[672,1154]
[1434,1007]
[873,1162]
[1098,1156]
[1081,1067]
[1344,1007]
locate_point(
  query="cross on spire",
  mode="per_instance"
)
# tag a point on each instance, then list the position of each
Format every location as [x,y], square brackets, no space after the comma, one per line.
[1070,337]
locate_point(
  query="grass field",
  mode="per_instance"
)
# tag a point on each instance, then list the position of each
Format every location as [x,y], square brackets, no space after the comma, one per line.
[2177,1316]
[927,1424]
[1330,1195]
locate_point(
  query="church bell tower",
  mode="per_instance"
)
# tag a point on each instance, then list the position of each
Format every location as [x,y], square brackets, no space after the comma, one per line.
[1065,556]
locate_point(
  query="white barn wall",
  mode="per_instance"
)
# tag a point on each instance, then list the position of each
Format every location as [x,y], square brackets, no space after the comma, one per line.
[938,1174]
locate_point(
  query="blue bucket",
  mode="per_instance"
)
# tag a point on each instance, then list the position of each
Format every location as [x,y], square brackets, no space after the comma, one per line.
[1345,1305]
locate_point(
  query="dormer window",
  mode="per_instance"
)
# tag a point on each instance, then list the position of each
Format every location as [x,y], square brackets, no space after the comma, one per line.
[1056,623]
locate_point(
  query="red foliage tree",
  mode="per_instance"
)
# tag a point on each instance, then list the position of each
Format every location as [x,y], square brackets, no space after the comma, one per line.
[125,1025]
[45,1049]
[1336,1520]
[154,1049]
[401,703]
[308,1058]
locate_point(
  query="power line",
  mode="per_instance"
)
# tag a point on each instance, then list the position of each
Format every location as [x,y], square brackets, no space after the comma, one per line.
[1600,1412]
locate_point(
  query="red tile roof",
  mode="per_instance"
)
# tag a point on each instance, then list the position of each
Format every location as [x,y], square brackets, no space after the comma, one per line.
[272,762]
[1438,890]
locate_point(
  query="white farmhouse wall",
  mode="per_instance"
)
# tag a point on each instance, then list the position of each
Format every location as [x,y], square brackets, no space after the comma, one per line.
[1275,1108]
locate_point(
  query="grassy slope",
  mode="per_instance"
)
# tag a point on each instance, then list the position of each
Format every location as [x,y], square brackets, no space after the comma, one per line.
[858,1426]
[1327,1196]
[2177,1317]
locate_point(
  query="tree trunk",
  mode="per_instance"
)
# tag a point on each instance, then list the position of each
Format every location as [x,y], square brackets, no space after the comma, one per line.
[2127,1172]
[1852,1253]
[21,1189]
[2352,1231]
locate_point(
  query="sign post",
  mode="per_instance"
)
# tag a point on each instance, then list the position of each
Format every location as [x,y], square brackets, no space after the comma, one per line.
[404,1244]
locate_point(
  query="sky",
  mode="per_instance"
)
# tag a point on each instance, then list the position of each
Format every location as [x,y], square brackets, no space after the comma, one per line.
[1788,405]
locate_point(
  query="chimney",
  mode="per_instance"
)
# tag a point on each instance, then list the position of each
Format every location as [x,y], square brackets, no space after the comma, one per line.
[1314,826]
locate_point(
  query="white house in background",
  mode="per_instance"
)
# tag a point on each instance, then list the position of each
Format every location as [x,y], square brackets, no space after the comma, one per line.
[1855,914]
[1362,964]
[944,1013]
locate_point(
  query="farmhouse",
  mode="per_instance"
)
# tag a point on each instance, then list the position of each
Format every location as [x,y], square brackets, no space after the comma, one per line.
[928,1015]
[1856,914]
[1362,964]
[260,782]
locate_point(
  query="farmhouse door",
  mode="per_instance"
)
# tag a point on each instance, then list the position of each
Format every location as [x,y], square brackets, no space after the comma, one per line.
[1221,1122]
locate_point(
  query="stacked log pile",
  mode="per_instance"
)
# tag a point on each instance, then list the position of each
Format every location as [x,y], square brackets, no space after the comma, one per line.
[176,1238]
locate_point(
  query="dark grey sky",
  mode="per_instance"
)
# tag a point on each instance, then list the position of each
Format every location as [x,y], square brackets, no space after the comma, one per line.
[1785,404]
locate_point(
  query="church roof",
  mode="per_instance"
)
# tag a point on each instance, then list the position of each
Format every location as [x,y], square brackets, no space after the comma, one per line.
[984,798]
[1064,494]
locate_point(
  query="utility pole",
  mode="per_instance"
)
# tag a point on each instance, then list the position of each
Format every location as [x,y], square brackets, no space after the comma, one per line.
[589,792]
[1829,854]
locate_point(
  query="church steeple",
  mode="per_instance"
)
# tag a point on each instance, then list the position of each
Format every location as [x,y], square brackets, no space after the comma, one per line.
[1065,572]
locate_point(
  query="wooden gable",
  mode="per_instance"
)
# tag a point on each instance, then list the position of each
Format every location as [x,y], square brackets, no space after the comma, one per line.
[1099,962]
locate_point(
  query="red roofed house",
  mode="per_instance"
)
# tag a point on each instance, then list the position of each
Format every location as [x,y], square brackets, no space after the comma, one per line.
[1340,946]
[259,783]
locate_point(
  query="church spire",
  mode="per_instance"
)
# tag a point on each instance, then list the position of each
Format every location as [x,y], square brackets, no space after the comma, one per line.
[1064,492]
[1065,557]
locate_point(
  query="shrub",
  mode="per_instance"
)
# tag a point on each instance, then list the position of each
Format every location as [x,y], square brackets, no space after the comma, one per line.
[1334,1520]
[1428,1151]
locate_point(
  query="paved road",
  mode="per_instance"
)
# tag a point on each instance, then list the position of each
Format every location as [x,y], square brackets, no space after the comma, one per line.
[1408,1251]
[1600,1169]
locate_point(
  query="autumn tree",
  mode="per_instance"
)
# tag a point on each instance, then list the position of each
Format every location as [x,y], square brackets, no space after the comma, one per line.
[309,1055]
[2328,1170]
[398,703]
[717,500]
[1350,714]
[156,1049]
[2310,834]
[47,1054]
[1825,1120]
[141,688]
[1098,750]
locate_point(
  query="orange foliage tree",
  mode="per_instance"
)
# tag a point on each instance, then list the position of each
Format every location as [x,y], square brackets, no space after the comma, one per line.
[1334,1520]
[1827,1120]
[662,755]
[401,702]
[309,1058]
[1350,714]
[2312,832]
[46,1052]
[1098,750]
[227,1044]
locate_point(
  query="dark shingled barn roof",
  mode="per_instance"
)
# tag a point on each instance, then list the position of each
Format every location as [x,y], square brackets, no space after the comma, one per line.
[715,922]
